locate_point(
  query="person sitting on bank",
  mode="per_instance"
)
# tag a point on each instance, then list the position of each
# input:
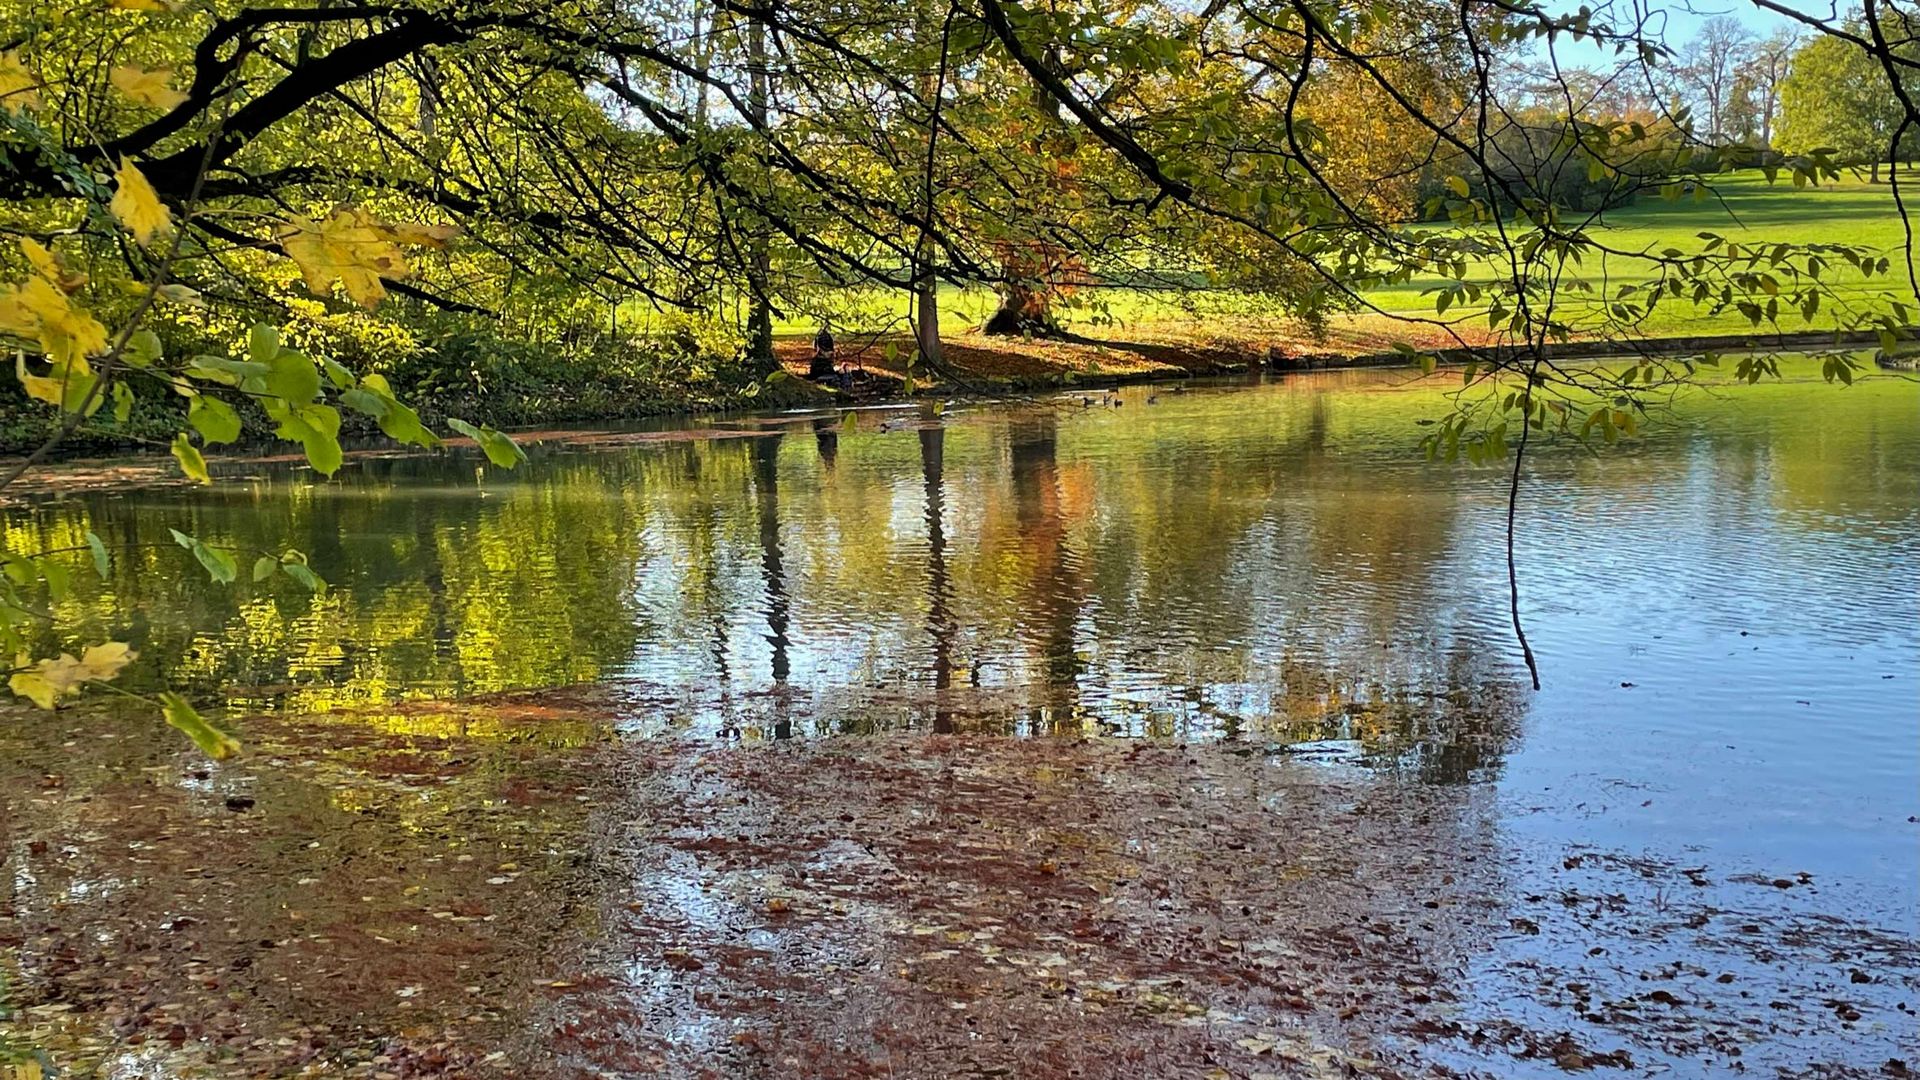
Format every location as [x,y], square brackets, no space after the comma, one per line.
[821,368]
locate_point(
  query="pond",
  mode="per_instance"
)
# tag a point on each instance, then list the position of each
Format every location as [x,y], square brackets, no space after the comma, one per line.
[1723,608]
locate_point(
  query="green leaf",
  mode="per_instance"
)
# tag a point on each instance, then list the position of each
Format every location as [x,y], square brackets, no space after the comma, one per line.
[55,572]
[300,573]
[122,402]
[215,743]
[215,420]
[339,376]
[1459,186]
[142,350]
[224,371]
[190,460]
[499,449]
[102,562]
[317,429]
[323,452]
[263,343]
[264,566]
[220,565]
[292,377]
[403,425]
[365,402]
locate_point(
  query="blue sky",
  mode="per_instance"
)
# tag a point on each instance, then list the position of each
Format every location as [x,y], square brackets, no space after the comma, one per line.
[1678,23]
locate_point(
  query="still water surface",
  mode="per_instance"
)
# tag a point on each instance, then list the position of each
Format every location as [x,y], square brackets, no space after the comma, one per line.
[1724,609]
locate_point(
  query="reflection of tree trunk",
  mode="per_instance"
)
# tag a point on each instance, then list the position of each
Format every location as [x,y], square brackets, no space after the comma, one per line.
[766,484]
[1316,432]
[433,577]
[826,438]
[1043,528]
[940,622]
[328,555]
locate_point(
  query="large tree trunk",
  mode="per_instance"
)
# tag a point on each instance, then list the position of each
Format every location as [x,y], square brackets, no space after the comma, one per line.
[759,257]
[759,260]
[927,324]
[926,280]
[1025,311]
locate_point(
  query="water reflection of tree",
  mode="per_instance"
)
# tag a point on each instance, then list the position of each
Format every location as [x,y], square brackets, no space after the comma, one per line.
[940,618]
[436,587]
[1275,562]
[1055,589]
[766,487]
[826,440]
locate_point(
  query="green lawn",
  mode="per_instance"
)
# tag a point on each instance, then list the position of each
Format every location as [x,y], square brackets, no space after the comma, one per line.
[1746,209]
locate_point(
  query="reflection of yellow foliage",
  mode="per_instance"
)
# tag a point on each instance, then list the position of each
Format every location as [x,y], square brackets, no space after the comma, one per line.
[352,800]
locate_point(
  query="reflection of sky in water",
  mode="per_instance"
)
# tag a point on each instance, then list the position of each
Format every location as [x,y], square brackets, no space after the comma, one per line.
[1267,563]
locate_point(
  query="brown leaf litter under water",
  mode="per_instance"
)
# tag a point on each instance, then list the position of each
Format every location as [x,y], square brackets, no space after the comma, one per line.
[540,897]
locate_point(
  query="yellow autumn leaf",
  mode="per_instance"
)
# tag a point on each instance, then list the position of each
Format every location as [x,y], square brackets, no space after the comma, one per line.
[71,391]
[41,259]
[433,236]
[146,5]
[38,309]
[46,682]
[104,661]
[175,293]
[348,247]
[137,205]
[192,463]
[148,86]
[18,88]
[34,687]
[50,266]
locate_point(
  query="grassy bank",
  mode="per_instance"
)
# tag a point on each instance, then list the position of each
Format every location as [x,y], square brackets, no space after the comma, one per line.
[1124,333]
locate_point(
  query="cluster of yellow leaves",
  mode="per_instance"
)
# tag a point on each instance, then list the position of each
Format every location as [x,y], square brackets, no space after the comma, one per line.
[47,681]
[18,88]
[148,86]
[356,250]
[137,205]
[39,309]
